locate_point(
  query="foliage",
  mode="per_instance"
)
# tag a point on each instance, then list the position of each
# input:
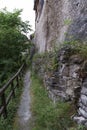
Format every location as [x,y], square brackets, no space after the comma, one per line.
[79,127]
[45,62]
[12,41]
[7,124]
[46,114]
[49,116]
[78,48]
[67,21]
[82,49]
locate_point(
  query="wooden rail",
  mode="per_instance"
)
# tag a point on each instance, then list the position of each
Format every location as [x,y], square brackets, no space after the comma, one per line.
[12,84]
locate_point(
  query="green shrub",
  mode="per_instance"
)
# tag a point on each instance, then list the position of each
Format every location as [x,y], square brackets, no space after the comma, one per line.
[78,48]
[67,21]
[79,127]
[46,62]
[7,124]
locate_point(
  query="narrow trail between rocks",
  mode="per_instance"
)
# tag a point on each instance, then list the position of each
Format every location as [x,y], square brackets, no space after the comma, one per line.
[24,113]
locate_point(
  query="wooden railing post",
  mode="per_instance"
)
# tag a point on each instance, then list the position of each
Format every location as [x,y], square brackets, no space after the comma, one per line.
[10,83]
[17,81]
[20,79]
[4,105]
[12,88]
[20,75]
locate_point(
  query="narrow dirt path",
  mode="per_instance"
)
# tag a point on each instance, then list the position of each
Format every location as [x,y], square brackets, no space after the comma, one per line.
[24,113]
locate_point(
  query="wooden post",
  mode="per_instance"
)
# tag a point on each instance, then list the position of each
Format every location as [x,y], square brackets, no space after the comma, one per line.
[20,75]
[17,81]
[4,102]
[4,105]
[12,88]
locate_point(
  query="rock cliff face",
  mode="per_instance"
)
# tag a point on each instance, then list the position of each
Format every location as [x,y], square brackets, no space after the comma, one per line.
[68,81]
[65,81]
[60,20]
[41,26]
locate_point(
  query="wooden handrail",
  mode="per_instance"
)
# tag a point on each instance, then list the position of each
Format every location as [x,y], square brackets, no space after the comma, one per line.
[4,100]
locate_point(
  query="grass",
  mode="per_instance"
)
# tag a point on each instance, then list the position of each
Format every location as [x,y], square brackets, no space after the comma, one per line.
[49,116]
[7,124]
[46,114]
[78,48]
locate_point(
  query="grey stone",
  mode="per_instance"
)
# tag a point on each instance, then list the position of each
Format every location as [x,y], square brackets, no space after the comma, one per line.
[73,69]
[76,59]
[80,104]
[65,71]
[54,16]
[84,99]
[69,92]
[79,119]
[84,90]
[83,113]
[85,124]
[83,107]
[85,84]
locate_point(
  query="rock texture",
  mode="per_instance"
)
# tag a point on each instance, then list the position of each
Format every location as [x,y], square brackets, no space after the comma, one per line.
[68,81]
[56,22]
[41,27]
[78,27]
[81,117]
[65,83]
[60,20]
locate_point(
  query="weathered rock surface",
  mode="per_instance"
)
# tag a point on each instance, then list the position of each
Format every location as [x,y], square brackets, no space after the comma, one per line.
[65,83]
[60,20]
[68,82]
[81,118]
[78,27]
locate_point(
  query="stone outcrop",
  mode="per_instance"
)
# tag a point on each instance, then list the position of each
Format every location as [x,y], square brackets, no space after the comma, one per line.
[65,83]
[81,117]
[40,25]
[78,26]
[60,20]
[68,81]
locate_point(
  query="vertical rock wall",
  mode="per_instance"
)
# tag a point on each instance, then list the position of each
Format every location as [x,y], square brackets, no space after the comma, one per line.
[68,81]
[41,29]
[61,20]
[77,30]
[65,83]
[57,13]
[81,117]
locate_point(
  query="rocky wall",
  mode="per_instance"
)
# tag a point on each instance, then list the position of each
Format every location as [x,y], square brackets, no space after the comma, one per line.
[61,20]
[41,30]
[65,83]
[68,81]
[81,116]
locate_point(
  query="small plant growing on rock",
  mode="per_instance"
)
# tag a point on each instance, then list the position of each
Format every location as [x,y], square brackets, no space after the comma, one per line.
[67,21]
